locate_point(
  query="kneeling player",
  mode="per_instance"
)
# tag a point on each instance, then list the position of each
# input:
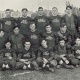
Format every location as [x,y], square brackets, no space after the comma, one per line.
[26,58]
[46,57]
[8,59]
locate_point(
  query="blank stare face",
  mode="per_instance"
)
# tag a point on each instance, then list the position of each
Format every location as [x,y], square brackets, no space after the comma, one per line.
[40,12]
[63,29]
[8,45]
[8,13]
[68,10]
[1,33]
[77,41]
[16,30]
[27,44]
[48,28]
[44,43]
[54,11]
[79,29]
[24,13]
[32,26]
[62,43]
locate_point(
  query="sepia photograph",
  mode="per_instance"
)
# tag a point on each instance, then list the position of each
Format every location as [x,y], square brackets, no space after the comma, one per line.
[39,40]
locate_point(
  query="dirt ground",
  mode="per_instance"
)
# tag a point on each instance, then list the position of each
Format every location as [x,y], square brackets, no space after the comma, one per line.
[59,74]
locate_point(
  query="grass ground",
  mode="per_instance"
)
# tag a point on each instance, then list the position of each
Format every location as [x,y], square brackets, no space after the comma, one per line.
[60,74]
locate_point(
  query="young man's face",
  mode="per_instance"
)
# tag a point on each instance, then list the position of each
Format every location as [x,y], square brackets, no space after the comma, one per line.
[48,28]
[78,41]
[63,29]
[27,45]
[32,27]
[62,43]
[8,13]
[44,43]
[8,45]
[1,33]
[69,11]
[54,11]
[79,29]
[40,12]
[16,30]
[24,13]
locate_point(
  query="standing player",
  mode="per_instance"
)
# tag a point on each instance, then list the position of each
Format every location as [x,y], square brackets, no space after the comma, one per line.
[55,19]
[8,23]
[41,20]
[34,37]
[70,20]
[24,22]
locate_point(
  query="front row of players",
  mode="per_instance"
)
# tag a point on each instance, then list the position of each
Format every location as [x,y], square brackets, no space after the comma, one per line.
[40,51]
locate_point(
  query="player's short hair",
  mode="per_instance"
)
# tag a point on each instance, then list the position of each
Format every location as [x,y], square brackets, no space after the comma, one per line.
[54,8]
[15,27]
[62,25]
[8,9]
[40,8]
[25,9]
[68,7]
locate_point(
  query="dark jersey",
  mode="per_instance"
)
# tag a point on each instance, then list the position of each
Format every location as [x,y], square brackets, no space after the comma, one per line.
[41,22]
[50,37]
[47,53]
[8,53]
[55,22]
[34,38]
[74,50]
[17,41]
[26,54]
[71,22]
[66,36]
[2,41]
[24,23]
[8,24]
[60,50]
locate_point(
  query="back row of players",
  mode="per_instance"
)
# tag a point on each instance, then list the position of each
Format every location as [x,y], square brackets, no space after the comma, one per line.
[43,42]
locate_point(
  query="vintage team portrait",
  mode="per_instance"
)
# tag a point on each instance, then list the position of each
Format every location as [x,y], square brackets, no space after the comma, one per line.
[39,40]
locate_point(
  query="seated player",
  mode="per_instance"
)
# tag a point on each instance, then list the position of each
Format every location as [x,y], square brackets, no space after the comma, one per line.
[49,35]
[76,51]
[34,37]
[16,39]
[8,59]
[26,58]
[63,54]
[46,57]
[3,38]
[64,34]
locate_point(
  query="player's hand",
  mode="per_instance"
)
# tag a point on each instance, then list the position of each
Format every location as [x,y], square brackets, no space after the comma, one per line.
[66,61]
[45,61]
[61,62]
